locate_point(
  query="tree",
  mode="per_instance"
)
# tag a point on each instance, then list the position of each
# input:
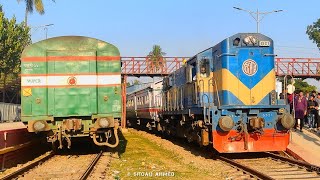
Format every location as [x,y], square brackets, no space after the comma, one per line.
[314,32]
[156,57]
[30,5]
[303,86]
[13,39]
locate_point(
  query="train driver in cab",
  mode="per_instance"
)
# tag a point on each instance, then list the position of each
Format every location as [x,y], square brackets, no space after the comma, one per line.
[203,72]
[204,68]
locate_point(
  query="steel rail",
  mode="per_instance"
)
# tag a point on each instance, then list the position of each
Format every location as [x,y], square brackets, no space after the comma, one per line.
[246,169]
[306,165]
[28,167]
[90,167]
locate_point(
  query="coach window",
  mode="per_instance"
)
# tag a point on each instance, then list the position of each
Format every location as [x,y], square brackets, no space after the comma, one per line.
[204,67]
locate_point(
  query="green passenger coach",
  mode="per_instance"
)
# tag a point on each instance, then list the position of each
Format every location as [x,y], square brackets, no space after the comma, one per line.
[71,87]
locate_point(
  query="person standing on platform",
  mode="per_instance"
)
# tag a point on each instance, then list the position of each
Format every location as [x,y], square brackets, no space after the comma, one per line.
[306,116]
[312,111]
[281,96]
[290,96]
[314,93]
[290,101]
[300,109]
[290,92]
[317,99]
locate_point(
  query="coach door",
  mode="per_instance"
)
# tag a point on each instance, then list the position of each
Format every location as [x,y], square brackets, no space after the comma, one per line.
[38,94]
[72,83]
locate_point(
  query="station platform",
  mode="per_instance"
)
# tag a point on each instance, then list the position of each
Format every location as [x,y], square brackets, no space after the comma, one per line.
[16,144]
[11,126]
[12,134]
[305,146]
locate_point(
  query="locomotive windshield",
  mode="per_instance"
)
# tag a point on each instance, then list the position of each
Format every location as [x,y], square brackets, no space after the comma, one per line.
[251,41]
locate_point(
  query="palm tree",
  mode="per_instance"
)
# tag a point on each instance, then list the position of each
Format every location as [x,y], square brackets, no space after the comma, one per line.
[156,57]
[30,5]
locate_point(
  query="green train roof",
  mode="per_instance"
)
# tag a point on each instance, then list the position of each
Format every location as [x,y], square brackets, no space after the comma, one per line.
[69,43]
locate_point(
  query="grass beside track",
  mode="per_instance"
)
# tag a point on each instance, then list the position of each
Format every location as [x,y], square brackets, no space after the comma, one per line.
[141,158]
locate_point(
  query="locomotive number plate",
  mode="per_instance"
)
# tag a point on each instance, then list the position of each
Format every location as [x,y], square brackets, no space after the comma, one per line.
[264,43]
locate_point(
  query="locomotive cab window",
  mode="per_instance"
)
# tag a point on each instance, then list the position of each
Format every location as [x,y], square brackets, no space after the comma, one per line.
[204,67]
[236,42]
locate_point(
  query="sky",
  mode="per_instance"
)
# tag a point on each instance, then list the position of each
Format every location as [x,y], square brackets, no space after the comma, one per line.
[180,27]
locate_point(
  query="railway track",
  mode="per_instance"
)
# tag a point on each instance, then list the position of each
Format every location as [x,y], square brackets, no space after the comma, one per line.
[28,167]
[270,166]
[91,166]
[263,165]
[51,166]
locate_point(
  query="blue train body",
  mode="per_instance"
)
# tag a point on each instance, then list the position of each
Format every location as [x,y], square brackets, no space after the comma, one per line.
[225,95]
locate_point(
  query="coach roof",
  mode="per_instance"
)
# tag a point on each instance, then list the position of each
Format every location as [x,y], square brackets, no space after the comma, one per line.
[70,43]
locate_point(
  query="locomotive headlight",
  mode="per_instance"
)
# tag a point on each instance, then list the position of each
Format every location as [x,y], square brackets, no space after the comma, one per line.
[39,125]
[103,122]
[226,123]
[287,120]
[282,110]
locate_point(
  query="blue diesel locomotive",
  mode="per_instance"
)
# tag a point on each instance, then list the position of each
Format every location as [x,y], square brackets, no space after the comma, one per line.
[225,96]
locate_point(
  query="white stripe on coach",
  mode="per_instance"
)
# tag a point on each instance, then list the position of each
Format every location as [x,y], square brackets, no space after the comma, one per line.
[63,80]
[109,79]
